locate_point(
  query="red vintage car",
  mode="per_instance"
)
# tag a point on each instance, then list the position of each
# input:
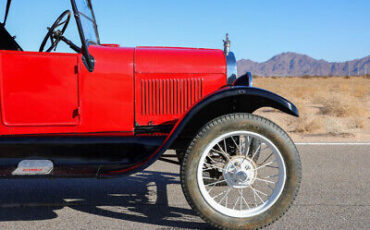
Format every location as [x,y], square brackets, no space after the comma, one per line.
[107,111]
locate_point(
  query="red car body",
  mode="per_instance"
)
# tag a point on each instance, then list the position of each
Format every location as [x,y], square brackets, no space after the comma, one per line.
[118,116]
[52,93]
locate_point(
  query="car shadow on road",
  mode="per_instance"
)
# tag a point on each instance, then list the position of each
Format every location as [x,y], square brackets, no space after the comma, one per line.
[141,198]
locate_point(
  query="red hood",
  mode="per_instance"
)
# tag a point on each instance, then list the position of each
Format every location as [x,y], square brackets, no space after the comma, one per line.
[179,60]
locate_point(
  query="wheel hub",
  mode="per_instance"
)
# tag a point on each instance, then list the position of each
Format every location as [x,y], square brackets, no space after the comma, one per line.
[240,172]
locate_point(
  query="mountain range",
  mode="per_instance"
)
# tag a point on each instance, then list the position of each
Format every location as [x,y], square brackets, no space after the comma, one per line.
[294,64]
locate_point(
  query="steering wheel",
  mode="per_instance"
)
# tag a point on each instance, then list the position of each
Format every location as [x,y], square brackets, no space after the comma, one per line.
[54,34]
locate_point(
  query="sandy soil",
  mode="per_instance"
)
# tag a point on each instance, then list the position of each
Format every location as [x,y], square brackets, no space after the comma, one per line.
[333,109]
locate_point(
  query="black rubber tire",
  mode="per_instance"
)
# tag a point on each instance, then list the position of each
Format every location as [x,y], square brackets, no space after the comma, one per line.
[253,123]
[180,155]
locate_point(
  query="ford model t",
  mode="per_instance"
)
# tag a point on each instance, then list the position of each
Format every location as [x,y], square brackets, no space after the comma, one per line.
[106,111]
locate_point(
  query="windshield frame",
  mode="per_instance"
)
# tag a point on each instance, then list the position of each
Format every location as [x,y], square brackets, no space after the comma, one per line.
[7,8]
[87,58]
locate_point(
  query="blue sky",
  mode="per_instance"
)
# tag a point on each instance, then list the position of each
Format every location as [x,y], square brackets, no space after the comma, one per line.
[335,30]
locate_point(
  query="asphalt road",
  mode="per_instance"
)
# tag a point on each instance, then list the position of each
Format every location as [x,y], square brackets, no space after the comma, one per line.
[335,194]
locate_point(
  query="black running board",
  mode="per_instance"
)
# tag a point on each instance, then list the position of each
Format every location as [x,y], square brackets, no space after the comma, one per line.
[72,156]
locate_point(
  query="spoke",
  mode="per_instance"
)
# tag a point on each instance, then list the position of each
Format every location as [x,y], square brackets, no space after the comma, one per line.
[226,155]
[217,151]
[209,191]
[270,166]
[217,167]
[226,195]
[210,166]
[265,165]
[243,142]
[241,203]
[269,186]
[270,177]
[236,203]
[254,154]
[217,182]
[254,196]
[267,158]
[205,177]
[211,158]
[222,153]
[254,191]
[237,146]
[206,169]
[222,150]
[261,192]
[218,195]
[246,202]
[240,144]
[265,147]
[249,146]
[241,199]
[227,198]
[241,194]
[266,181]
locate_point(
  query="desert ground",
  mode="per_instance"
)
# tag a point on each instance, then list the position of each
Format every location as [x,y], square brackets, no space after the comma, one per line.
[332,109]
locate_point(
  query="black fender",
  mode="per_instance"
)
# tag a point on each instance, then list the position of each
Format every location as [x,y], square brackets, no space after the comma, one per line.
[229,99]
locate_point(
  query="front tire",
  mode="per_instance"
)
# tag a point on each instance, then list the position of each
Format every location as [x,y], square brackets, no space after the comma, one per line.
[257,184]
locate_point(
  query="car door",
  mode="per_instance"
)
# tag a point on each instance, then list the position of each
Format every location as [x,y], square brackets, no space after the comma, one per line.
[39,89]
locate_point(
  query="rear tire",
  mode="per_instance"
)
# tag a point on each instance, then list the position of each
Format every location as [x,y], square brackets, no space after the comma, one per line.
[235,135]
[180,154]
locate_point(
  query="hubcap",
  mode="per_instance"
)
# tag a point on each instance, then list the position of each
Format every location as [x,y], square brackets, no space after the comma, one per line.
[241,174]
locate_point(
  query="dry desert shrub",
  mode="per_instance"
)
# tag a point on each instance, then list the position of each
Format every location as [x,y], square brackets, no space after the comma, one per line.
[340,106]
[327,105]
[355,123]
[304,125]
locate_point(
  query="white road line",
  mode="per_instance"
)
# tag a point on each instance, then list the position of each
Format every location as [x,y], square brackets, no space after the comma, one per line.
[333,143]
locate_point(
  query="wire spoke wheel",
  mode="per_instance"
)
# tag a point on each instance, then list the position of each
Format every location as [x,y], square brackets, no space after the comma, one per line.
[241,171]
[239,178]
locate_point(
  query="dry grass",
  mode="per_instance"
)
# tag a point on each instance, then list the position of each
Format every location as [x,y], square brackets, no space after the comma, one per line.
[338,105]
[327,105]
[308,126]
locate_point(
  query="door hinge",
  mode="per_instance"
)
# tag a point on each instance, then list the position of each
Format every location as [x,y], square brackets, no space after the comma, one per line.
[76,113]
